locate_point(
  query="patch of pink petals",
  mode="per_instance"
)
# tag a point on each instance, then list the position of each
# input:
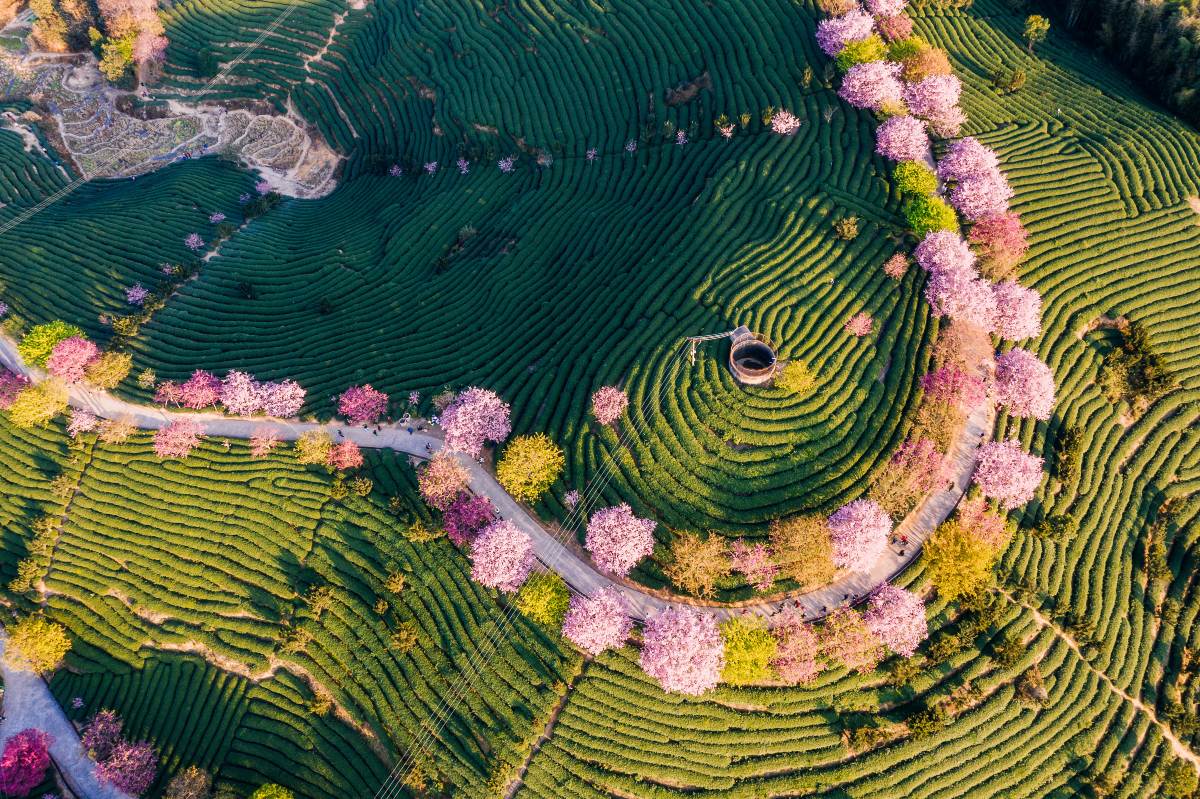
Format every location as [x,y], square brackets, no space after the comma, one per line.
[683,650]
[599,622]
[617,539]
[859,531]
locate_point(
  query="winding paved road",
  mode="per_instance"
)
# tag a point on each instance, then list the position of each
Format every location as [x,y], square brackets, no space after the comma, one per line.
[548,545]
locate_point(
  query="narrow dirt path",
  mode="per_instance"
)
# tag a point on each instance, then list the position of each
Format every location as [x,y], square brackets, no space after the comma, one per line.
[1177,746]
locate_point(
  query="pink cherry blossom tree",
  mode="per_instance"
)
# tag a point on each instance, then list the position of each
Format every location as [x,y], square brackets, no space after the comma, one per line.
[944,251]
[617,539]
[796,648]
[131,767]
[263,441]
[966,158]
[902,138]
[475,417]
[755,562]
[442,479]
[980,196]
[885,8]
[859,531]
[1001,240]
[178,439]
[784,123]
[608,403]
[896,267]
[24,762]
[922,459]
[859,325]
[897,618]
[845,639]
[241,394]
[984,523]
[466,516]
[194,241]
[136,294]
[362,404]
[934,97]
[872,85]
[82,421]
[283,399]
[1008,474]
[11,384]
[683,650]
[1018,311]
[345,455]
[598,622]
[835,33]
[101,734]
[200,390]
[71,357]
[963,296]
[895,28]
[953,387]
[501,556]
[1024,384]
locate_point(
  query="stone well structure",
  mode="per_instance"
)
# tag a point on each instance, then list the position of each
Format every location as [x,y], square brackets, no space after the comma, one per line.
[751,359]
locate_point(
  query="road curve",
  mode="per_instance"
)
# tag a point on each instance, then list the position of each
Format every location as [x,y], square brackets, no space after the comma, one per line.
[579,574]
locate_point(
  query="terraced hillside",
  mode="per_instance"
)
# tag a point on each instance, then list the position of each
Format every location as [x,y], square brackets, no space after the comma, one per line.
[548,282]
[297,629]
[1106,614]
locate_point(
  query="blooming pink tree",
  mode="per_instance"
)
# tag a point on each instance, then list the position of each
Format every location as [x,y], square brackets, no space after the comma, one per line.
[131,767]
[922,459]
[283,399]
[893,29]
[466,516]
[835,33]
[362,404]
[1007,473]
[966,158]
[796,648]
[178,439]
[846,639]
[953,386]
[902,138]
[784,122]
[136,294]
[984,523]
[24,762]
[617,539]
[963,296]
[944,251]
[1024,384]
[933,97]
[345,455]
[101,734]
[241,394]
[886,8]
[598,622]
[71,357]
[11,384]
[683,650]
[859,325]
[193,241]
[200,390]
[755,562]
[1018,311]
[897,618]
[441,480]
[872,85]
[82,421]
[501,556]
[859,531]
[1001,240]
[608,403]
[896,267]
[980,196]
[475,417]
[263,441]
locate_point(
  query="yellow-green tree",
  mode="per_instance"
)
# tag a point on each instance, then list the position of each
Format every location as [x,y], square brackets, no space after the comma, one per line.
[804,549]
[749,647]
[796,378]
[38,343]
[957,562]
[529,466]
[313,447]
[1037,28]
[272,791]
[36,644]
[36,405]
[109,369]
[544,598]
[697,563]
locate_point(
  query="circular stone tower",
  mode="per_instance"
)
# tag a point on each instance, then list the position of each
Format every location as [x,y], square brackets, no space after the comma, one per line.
[751,359]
